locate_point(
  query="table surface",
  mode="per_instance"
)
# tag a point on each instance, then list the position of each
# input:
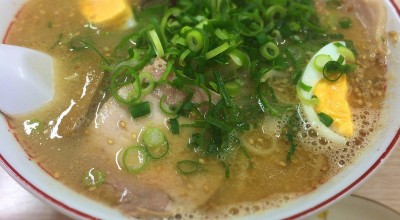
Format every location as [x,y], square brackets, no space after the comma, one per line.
[383,187]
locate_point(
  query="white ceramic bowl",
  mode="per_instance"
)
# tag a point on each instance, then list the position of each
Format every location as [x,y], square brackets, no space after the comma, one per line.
[27,173]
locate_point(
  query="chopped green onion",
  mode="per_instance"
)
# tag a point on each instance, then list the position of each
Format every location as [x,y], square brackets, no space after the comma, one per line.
[171,12]
[155,142]
[94,177]
[321,60]
[182,41]
[274,12]
[218,50]
[222,89]
[79,44]
[240,58]
[218,123]
[134,159]
[188,167]
[221,34]
[325,119]
[294,26]
[167,71]
[304,87]
[309,101]
[156,43]
[141,109]
[167,109]
[233,88]
[174,125]
[183,57]
[268,102]
[340,59]
[347,54]
[124,72]
[269,51]
[250,24]
[194,40]
[147,80]
[332,68]
[345,23]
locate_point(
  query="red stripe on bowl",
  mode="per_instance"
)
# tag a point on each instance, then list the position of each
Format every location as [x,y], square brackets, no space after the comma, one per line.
[43,194]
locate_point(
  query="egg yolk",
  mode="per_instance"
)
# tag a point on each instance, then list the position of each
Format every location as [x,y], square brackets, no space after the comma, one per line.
[332,98]
[106,13]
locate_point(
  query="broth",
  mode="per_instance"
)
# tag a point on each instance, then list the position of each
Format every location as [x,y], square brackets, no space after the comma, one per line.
[71,136]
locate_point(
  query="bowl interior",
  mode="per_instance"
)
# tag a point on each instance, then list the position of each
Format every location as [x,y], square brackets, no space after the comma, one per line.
[34,179]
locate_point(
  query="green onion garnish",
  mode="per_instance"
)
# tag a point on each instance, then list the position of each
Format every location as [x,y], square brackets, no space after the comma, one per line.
[155,142]
[174,125]
[321,60]
[141,109]
[134,159]
[194,40]
[156,43]
[188,167]
[222,89]
[215,52]
[304,87]
[345,23]
[269,51]
[325,119]
[274,12]
[347,54]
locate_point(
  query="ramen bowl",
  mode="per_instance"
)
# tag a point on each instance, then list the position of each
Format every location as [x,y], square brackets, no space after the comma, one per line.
[33,178]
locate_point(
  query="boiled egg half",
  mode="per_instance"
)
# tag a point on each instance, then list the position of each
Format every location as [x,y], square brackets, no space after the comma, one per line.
[108,13]
[323,99]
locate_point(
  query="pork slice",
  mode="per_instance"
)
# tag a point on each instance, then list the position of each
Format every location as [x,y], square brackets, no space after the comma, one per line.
[372,14]
[113,130]
[175,96]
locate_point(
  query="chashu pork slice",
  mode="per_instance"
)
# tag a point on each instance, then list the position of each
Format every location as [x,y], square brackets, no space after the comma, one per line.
[373,18]
[114,130]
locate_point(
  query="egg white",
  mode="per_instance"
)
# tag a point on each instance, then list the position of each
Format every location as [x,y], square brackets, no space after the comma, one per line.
[311,77]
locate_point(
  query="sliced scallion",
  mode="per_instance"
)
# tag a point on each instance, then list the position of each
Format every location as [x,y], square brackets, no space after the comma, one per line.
[218,50]
[222,89]
[309,101]
[233,88]
[345,23]
[194,40]
[304,86]
[183,56]
[146,80]
[274,12]
[167,109]
[156,43]
[321,60]
[134,159]
[174,125]
[269,51]
[240,58]
[188,167]
[325,119]
[347,54]
[141,109]
[155,142]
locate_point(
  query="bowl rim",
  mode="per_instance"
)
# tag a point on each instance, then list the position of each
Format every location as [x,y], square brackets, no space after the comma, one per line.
[59,205]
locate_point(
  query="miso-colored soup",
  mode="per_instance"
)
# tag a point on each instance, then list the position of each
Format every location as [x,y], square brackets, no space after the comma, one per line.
[202,109]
